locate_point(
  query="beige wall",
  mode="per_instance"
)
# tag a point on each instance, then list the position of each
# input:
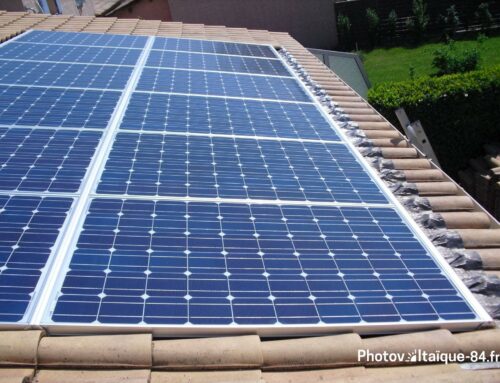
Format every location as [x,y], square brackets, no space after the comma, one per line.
[311,22]
[69,8]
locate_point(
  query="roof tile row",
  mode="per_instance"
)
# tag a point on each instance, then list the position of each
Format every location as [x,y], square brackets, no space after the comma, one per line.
[31,348]
[450,373]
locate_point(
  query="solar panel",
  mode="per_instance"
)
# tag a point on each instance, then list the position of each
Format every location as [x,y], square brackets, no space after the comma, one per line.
[45,160]
[29,228]
[207,264]
[212,115]
[189,45]
[80,38]
[151,164]
[56,107]
[69,53]
[220,84]
[51,119]
[222,63]
[64,75]
[210,190]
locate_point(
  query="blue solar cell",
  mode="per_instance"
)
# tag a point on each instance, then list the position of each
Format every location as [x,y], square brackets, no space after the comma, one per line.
[81,38]
[64,75]
[45,160]
[193,114]
[73,108]
[159,262]
[69,53]
[151,164]
[187,60]
[29,227]
[220,84]
[204,46]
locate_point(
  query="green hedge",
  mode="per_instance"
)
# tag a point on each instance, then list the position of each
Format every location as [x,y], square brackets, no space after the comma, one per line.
[459,112]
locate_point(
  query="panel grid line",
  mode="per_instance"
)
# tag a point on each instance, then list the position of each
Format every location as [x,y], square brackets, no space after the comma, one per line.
[225,97]
[173,68]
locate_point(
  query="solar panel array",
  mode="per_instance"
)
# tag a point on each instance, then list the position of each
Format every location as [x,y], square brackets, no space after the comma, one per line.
[174,182]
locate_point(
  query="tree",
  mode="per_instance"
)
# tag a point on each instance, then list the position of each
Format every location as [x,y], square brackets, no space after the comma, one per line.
[392,20]
[373,24]
[418,23]
[450,22]
[344,31]
[483,16]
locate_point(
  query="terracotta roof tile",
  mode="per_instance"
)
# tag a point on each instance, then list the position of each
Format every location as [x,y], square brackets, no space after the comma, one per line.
[16,375]
[245,376]
[92,376]
[19,347]
[96,351]
[229,353]
[322,352]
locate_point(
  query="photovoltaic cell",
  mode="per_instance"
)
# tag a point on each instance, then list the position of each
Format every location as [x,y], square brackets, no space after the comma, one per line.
[315,243]
[224,63]
[69,53]
[80,38]
[218,264]
[29,227]
[45,160]
[205,115]
[220,84]
[70,108]
[63,75]
[151,164]
[204,46]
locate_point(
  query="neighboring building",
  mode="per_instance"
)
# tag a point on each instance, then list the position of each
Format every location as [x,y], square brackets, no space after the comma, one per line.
[311,22]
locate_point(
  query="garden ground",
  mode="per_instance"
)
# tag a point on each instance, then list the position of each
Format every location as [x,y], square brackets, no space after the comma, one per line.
[393,64]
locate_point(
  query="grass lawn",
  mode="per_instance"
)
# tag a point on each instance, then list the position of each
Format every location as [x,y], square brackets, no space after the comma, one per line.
[392,64]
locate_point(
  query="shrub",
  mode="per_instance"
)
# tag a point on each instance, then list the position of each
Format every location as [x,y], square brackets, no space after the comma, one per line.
[412,73]
[483,16]
[450,22]
[373,24]
[459,112]
[418,23]
[448,60]
[344,31]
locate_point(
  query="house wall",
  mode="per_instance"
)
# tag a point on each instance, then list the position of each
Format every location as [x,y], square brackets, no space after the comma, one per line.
[69,8]
[311,22]
[145,9]
[11,5]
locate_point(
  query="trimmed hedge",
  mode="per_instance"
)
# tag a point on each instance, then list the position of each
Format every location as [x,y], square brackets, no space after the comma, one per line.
[459,112]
